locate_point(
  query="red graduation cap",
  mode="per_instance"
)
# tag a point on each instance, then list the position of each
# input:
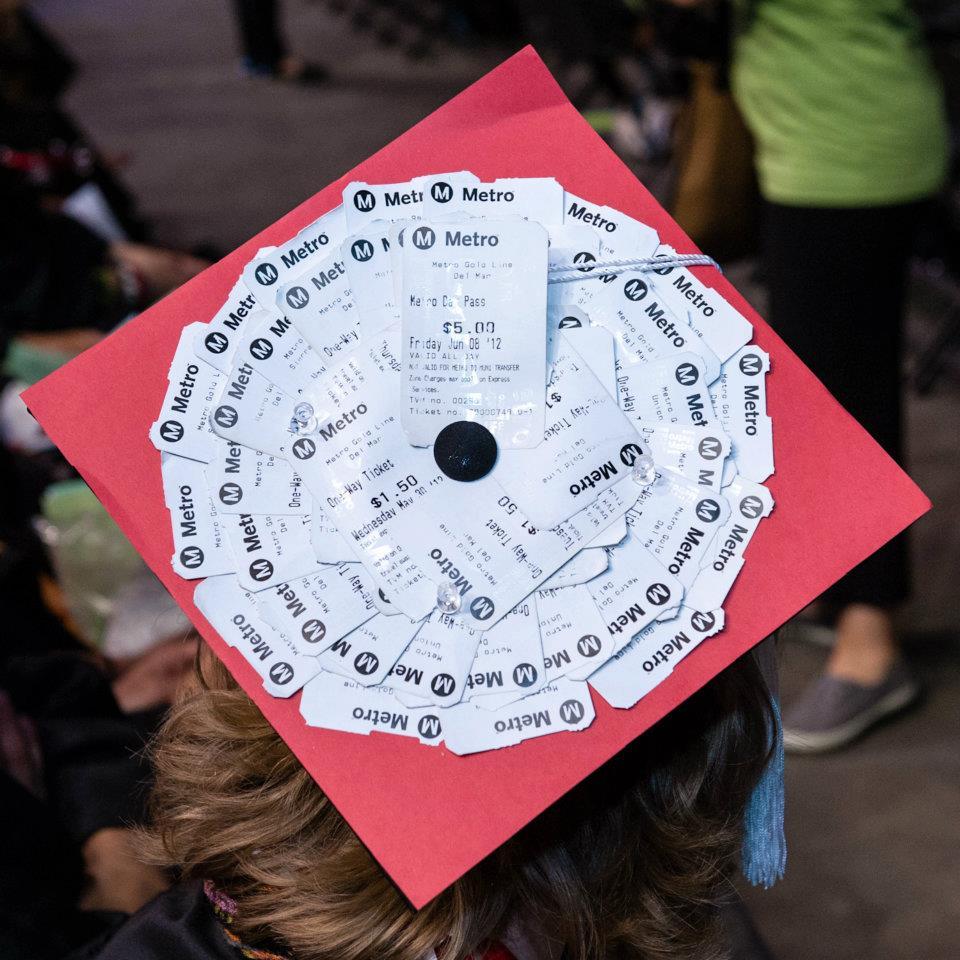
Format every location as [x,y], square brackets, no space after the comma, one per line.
[426,815]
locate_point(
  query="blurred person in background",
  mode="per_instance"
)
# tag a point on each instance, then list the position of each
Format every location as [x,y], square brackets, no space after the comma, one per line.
[265,52]
[631,863]
[73,256]
[73,264]
[72,777]
[848,121]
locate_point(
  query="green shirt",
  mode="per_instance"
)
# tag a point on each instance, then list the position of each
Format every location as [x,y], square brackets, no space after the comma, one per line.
[842,101]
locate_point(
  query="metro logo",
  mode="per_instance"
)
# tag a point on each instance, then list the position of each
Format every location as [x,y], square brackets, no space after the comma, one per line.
[589,645]
[216,342]
[281,673]
[572,711]
[482,608]
[366,663]
[171,431]
[266,274]
[364,201]
[443,685]
[708,510]
[658,594]
[231,494]
[304,448]
[750,364]
[226,417]
[441,192]
[191,557]
[710,448]
[313,631]
[525,674]
[429,727]
[423,238]
[297,298]
[261,570]
[361,250]
[261,349]
[702,622]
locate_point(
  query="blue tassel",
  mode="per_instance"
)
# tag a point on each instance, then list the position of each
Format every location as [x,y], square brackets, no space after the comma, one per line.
[764,853]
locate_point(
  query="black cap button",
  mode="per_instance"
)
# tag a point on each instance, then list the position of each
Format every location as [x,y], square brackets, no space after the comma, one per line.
[465,450]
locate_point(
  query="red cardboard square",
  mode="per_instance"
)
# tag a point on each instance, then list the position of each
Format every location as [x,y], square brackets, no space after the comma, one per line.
[839,496]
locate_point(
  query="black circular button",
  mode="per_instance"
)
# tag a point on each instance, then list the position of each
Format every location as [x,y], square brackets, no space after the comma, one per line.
[465,450]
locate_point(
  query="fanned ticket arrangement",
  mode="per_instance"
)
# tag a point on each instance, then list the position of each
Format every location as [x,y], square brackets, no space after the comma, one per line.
[447,464]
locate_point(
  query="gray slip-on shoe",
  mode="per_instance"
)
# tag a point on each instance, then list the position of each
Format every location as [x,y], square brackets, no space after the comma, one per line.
[832,713]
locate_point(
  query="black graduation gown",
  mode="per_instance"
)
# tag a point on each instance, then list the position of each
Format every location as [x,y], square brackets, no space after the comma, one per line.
[177,925]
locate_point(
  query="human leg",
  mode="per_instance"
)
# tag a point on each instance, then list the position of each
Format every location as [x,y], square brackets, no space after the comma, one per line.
[837,281]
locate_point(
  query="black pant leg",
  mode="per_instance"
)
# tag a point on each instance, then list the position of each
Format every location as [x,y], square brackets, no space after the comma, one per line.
[837,282]
[260,34]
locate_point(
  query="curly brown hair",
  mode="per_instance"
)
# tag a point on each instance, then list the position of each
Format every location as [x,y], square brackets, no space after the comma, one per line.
[632,863]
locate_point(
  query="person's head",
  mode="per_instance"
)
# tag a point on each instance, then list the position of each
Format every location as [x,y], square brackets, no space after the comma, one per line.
[630,864]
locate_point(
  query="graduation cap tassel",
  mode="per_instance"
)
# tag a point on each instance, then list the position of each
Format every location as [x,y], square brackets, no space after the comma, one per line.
[764,853]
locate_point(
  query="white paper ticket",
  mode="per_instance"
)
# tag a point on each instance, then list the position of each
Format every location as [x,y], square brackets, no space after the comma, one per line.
[273,347]
[509,659]
[270,549]
[319,303]
[314,612]
[434,668]
[698,455]
[265,274]
[576,638]
[233,613]
[366,254]
[580,568]
[473,315]
[670,390]
[368,653]
[366,202]
[588,445]
[635,591]
[645,326]
[359,466]
[721,327]
[750,503]
[183,427]
[677,521]
[532,198]
[651,656]
[740,399]
[200,548]
[243,480]
[217,341]
[251,411]
[339,703]
[559,706]
[620,237]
